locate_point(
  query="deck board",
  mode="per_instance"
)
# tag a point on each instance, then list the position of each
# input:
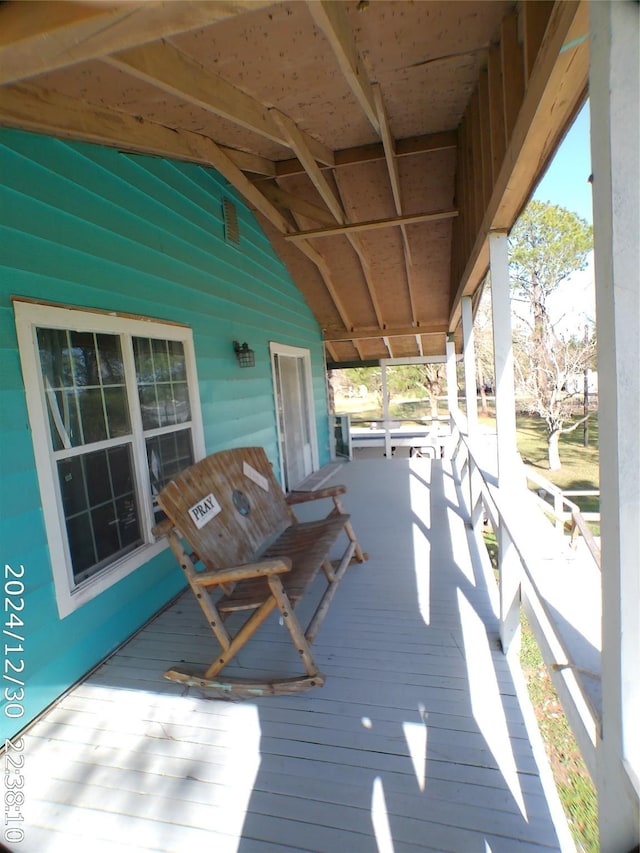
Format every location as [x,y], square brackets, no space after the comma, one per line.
[417,742]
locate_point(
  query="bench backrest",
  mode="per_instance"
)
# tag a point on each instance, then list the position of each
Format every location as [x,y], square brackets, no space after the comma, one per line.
[228,506]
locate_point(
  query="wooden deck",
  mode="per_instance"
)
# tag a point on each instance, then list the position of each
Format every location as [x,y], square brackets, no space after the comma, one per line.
[419,741]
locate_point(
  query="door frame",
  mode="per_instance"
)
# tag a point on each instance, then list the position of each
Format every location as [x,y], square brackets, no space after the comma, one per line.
[278,349]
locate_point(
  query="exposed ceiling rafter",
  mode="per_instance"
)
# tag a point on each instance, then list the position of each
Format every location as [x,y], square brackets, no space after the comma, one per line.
[373,224]
[165,67]
[51,36]
[294,203]
[391,332]
[389,146]
[297,142]
[331,18]
[408,147]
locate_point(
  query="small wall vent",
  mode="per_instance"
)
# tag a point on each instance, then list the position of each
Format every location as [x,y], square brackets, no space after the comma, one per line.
[231,227]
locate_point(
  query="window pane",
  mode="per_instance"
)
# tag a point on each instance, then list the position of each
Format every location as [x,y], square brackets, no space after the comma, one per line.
[177,361]
[181,402]
[94,427]
[162,386]
[100,508]
[110,360]
[143,360]
[127,513]
[72,486]
[84,386]
[120,470]
[80,544]
[160,360]
[96,466]
[105,530]
[167,455]
[53,346]
[64,419]
[84,358]
[115,399]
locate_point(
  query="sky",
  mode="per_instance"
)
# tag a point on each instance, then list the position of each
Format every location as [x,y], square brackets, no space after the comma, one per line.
[566,183]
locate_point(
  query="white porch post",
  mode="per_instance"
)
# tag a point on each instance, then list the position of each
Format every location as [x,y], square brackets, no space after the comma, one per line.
[452,391]
[471,399]
[615,142]
[385,411]
[509,563]
[452,378]
[469,356]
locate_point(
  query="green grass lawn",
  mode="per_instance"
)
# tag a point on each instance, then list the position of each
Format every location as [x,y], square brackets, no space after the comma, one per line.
[579,463]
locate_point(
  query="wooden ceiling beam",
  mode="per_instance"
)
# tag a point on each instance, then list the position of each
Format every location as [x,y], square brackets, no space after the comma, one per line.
[165,67]
[289,201]
[39,37]
[252,163]
[331,18]
[372,224]
[298,143]
[359,249]
[170,70]
[368,153]
[392,332]
[323,268]
[389,146]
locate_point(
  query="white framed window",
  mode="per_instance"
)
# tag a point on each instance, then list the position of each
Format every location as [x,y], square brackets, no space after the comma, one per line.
[114,410]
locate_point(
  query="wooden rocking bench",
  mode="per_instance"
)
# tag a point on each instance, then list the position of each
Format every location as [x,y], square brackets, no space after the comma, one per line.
[228,513]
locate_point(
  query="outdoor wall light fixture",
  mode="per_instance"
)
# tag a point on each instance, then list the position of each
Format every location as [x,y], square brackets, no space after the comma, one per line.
[246,357]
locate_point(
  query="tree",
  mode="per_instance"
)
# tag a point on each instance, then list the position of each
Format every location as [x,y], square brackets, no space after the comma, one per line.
[483,345]
[548,244]
[418,379]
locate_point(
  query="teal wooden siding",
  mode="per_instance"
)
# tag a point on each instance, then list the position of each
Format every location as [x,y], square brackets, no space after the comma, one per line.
[87,226]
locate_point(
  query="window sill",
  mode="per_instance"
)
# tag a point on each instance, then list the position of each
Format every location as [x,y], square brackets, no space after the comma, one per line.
[71,600]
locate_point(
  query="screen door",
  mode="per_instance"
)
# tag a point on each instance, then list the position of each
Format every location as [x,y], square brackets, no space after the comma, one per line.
[296,433]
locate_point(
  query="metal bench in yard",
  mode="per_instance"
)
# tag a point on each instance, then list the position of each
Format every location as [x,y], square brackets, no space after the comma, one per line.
[228,514]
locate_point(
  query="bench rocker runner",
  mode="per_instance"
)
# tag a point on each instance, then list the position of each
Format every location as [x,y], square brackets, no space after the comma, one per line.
[228,513]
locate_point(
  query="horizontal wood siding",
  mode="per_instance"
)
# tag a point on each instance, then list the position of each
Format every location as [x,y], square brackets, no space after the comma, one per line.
[87,226]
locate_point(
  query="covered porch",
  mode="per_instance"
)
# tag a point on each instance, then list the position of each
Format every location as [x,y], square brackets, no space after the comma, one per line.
[422,738]
[386,150]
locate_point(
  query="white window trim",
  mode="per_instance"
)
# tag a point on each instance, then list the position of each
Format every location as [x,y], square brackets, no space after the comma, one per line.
[29,316]
[305,354]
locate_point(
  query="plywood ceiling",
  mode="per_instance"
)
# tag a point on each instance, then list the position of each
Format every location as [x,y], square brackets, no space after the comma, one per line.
[321,114]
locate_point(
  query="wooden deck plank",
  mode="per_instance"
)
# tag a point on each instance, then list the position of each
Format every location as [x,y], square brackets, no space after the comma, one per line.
[395,748]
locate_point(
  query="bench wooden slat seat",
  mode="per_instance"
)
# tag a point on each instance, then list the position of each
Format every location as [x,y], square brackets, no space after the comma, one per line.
[228,514]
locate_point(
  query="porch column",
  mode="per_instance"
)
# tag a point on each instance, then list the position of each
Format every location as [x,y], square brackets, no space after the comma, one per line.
[385,411]
[508,464]
[615,142]
[452,377]
[469,356]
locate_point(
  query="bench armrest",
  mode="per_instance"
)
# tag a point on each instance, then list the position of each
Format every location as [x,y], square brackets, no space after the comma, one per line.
[304,497]
[243,572]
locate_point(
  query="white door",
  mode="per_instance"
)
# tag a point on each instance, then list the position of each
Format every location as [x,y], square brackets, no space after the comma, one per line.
[294,405]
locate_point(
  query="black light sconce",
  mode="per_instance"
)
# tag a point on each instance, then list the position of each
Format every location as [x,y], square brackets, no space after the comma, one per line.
[246,357]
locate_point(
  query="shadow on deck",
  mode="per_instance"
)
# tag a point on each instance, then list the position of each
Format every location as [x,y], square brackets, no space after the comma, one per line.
[419,741]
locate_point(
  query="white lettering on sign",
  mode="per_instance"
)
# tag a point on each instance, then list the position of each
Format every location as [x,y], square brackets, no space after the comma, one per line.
[256,476]
[206,509]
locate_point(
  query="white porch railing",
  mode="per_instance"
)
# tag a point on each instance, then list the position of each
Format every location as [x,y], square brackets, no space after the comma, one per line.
[572,515]
[515,516]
